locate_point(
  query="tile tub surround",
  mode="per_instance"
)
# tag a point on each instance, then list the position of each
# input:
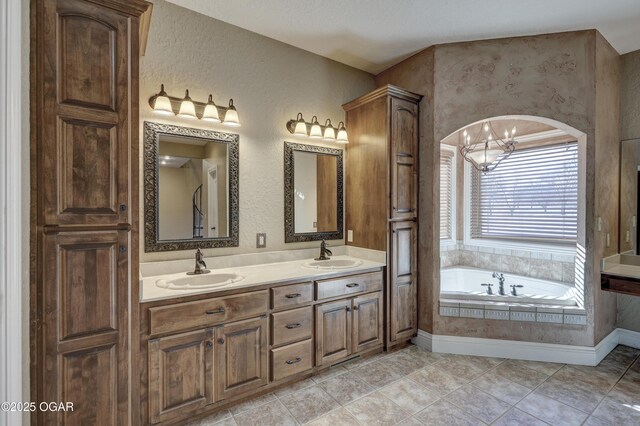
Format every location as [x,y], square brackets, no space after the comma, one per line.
[439,389]
[548,266]
[513,312]
[253,275]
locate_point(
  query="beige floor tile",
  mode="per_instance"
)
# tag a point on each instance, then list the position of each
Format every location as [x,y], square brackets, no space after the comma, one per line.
[461,367]
[341,417]
[584,378]
[294,387]
[360,361]
[309,403]
[376,409]
[411,421]
[515,417]
[425,355]
[551,411]
[377,374]
[404,363]
[521,375]
[272,413]
[434,378]
[212,419]
[501,387]
[329,373]
[252,403]
[626,391]
[482,362]
[622,355]
[548,368]
[594,421]
[570,394]
[410,395]
[618,413]
[346,388]
[442,413]
[478,403]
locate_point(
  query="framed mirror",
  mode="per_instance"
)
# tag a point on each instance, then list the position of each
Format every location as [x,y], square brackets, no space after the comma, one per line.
[629,235]
[313,197]
[190,188]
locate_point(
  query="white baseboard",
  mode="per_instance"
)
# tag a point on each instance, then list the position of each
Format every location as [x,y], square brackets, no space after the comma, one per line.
[548,352]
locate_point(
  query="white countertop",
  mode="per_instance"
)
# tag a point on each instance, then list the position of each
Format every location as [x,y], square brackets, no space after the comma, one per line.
[254,275]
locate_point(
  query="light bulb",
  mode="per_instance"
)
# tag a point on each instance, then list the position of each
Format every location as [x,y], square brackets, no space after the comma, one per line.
[231,116]
[162,103]
[316,130]
[329,131]
[301,126]
[187,108]
[342,134]
[211,111]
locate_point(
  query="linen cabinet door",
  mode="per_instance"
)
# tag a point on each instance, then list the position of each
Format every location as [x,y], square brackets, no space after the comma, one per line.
[404,155]
[181,374]
[403,295]
[241,351]
[367,322]
[333,331]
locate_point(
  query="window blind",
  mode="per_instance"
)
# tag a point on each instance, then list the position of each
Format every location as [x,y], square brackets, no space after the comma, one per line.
[446,194]
[531,195]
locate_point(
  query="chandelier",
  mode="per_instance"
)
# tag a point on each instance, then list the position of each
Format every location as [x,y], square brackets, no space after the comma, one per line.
[486,150]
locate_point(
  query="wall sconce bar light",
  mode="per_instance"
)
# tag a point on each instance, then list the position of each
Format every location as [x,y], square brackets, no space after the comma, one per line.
[186,107]
[315,130]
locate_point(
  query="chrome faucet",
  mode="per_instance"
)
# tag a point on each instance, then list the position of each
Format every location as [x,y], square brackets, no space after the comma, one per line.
[500,278]
[201,267]
[513,289]
[324,251]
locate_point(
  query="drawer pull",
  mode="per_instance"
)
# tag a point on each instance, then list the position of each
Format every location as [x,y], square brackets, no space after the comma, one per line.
[296,325]
[221,341]
[209,344]
[353,285]
[292,295]
[215,311]
[294,361]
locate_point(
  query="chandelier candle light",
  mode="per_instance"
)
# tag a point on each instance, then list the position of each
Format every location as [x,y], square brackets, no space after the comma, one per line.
[315,130]
[486,150]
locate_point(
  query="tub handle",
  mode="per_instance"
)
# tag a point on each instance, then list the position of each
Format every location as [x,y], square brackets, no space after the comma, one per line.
[513,289]
[488,286]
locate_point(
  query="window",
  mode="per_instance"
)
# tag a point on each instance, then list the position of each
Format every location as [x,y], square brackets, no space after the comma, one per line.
[447,194]
[531,196]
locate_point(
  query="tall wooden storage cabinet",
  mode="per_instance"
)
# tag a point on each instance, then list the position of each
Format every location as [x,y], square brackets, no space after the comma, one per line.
[382,195]
[84,215]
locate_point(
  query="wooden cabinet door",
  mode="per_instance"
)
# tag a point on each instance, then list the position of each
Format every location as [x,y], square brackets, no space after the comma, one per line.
[181,374]
[404,158]
[333,331]
[241,352]
[367,321]
[403,282]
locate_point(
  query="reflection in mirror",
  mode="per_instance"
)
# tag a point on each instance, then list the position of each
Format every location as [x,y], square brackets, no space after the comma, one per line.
[191,188]
[629,207]
[313,193]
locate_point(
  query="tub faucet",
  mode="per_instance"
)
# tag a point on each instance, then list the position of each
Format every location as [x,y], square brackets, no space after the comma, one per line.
[513,289]
[324,251]
[201,267]
[488,286]
[500,278]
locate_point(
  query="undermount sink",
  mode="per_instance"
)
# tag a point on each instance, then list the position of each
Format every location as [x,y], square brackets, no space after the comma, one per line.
[209,280]
[333,264]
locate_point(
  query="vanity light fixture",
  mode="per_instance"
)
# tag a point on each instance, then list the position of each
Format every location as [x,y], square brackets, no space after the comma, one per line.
[486,150]
[186,107]
[315,130]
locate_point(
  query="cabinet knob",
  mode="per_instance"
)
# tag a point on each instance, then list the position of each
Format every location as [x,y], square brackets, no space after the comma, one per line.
[221,341]
[209,344]
[355,308]
[348,309]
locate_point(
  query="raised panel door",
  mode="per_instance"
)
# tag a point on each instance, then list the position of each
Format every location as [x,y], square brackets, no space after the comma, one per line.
[404,155]
[403,281]
[181,374]
[367,322]
[241,351]
[333,331]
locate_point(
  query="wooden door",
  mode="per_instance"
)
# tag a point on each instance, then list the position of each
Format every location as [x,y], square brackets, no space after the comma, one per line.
[181,374]
[333,331]
[241,352]
[404,158]
[367,321]
[403,310]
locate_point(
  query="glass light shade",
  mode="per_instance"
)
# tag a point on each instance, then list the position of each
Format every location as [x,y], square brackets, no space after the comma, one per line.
[187,108]
[342,134]
[211,111]
[485,157]
[301,126]
[231,117]
[316,130]
[162,103]
[329,131]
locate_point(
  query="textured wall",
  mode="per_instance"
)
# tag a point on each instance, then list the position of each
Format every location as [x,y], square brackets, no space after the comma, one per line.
[551,76]
[629,306]
[270,83]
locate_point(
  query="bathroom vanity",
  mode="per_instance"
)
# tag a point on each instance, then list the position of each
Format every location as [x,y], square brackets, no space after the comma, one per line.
[278,323]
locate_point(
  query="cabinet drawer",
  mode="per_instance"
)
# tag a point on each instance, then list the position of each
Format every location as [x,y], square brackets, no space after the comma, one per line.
[291,359]
[293,325]
[346,286]
[291,295]
[204,313]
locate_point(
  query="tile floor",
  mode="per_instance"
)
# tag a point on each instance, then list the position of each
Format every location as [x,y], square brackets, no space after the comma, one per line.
[416,387]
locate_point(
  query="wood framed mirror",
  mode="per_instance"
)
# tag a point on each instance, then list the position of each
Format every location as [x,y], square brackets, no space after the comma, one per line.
[313,197]
[191,188]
